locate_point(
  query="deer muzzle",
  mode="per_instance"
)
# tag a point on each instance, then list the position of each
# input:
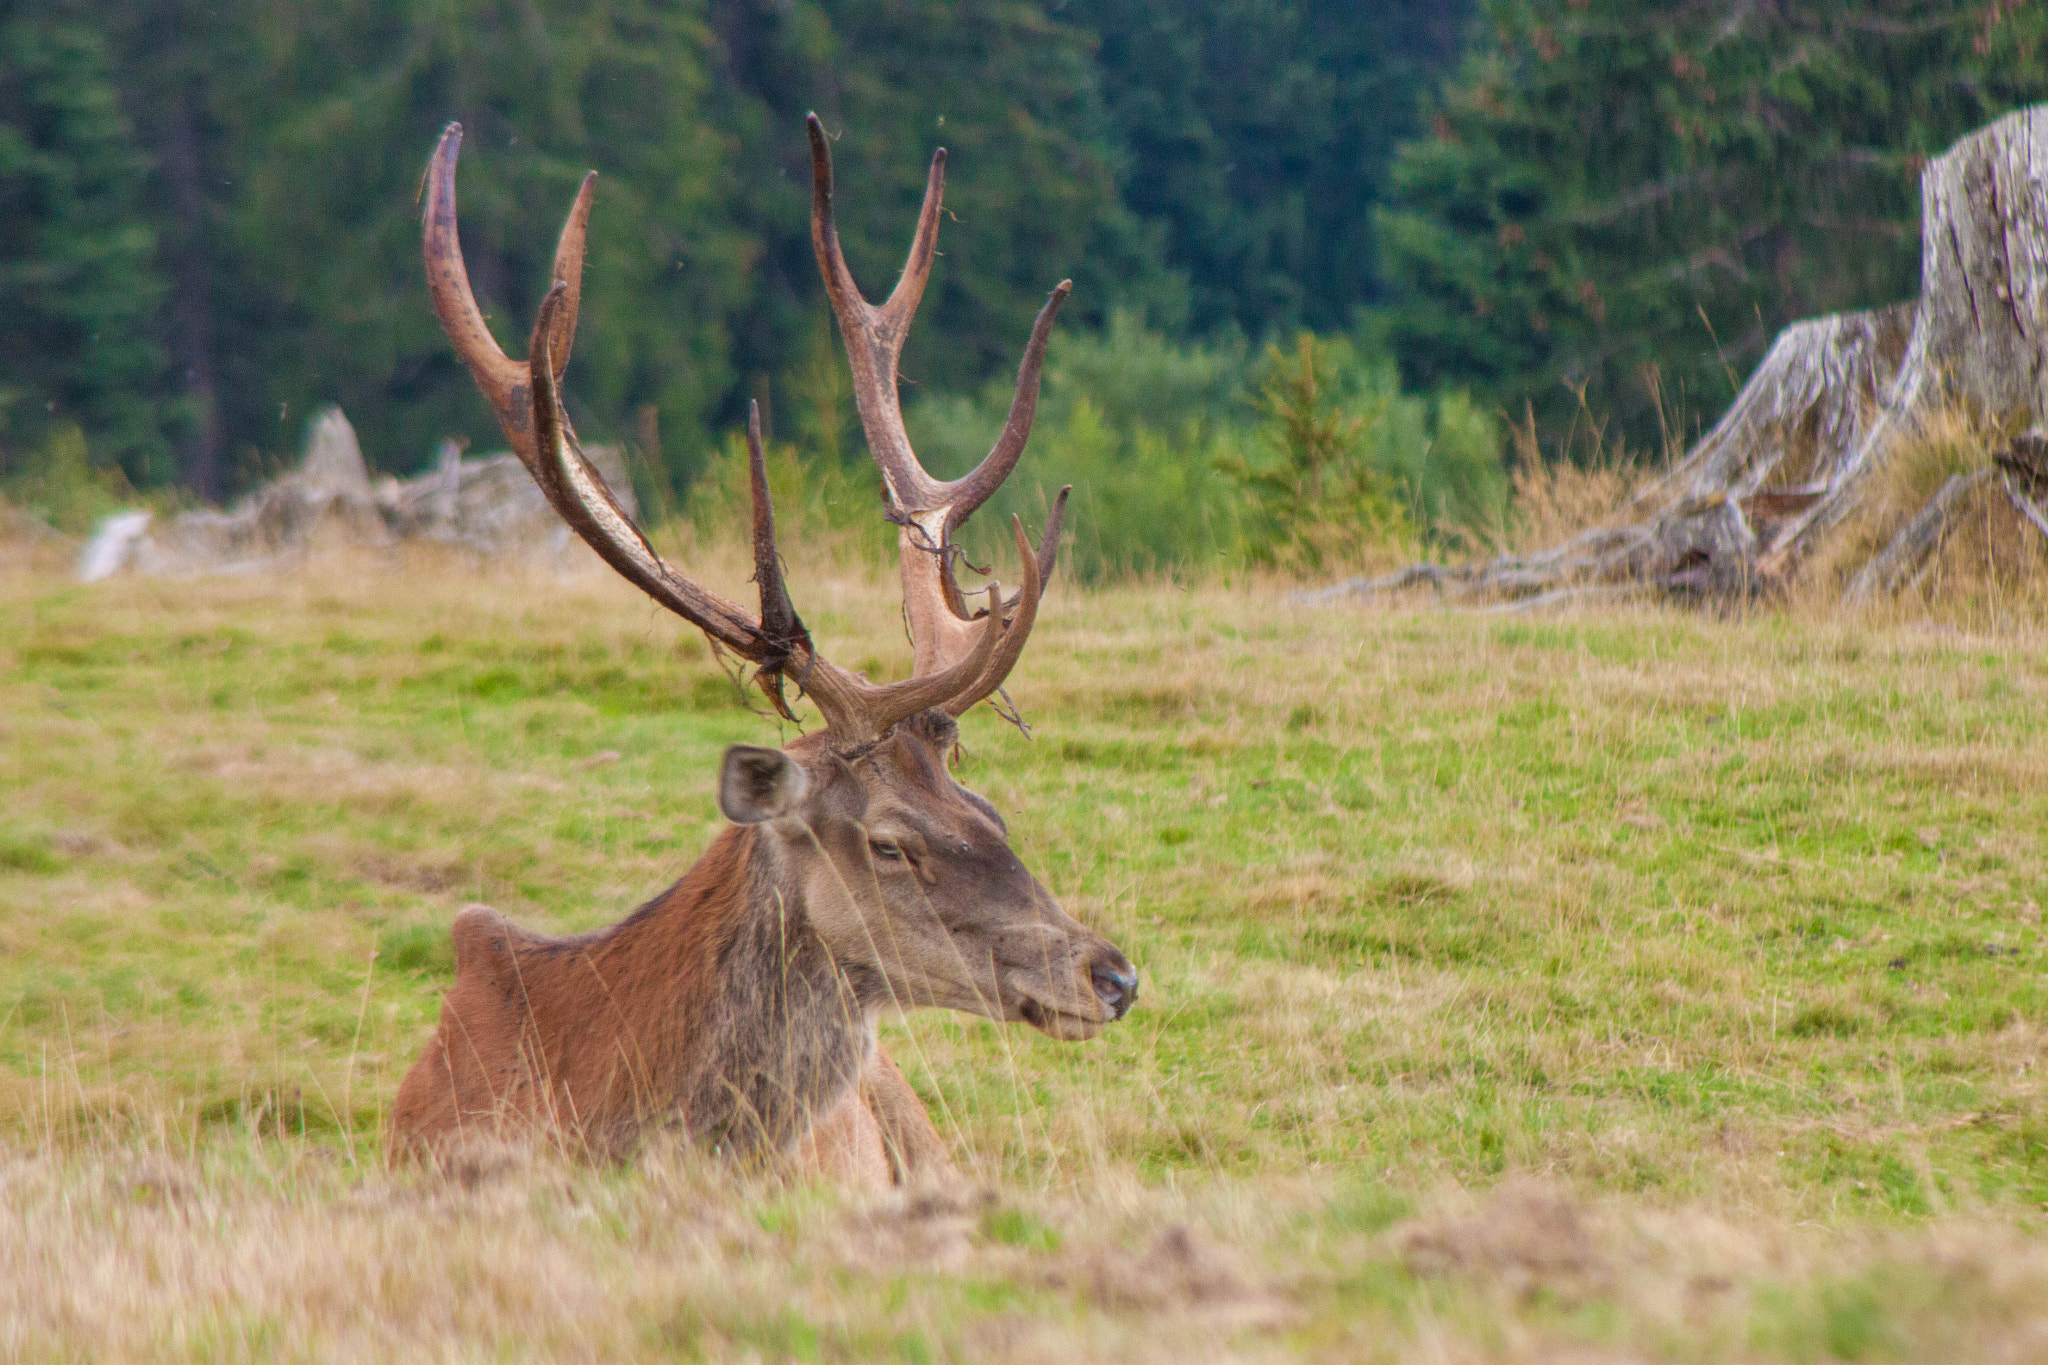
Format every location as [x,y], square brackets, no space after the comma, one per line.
[1096,987]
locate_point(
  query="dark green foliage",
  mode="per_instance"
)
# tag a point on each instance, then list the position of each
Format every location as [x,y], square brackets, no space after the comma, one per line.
[1627,200]
[1257,135]
[267,208]
[55,482]
[1316,498]
[1148,430]
[313,130]
[208,220]
[1031,191]
[78,287]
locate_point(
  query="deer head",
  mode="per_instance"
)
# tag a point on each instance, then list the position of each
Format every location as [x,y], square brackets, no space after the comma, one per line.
[905,876]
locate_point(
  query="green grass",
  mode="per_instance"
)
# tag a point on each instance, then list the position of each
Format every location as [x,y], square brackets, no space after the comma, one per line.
[1700,924]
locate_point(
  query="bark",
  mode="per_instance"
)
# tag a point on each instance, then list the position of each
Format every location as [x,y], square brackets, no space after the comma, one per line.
[2026,507]
[1981,322]
[1831,403]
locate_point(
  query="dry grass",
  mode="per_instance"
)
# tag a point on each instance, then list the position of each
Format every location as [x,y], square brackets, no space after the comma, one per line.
[1639,987]
[1991,568]
[137,1258]
[1590,483]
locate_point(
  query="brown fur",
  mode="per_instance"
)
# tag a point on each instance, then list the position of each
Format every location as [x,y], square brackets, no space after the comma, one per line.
[741,1003]
[584,1032]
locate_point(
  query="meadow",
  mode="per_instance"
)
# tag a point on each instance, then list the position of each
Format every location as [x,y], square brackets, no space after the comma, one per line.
[1641,986]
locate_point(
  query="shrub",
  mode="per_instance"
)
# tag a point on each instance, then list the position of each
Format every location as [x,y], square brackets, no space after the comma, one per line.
[57,484]
[1317,498]
[1182,457]
[824,504]
[1133,422]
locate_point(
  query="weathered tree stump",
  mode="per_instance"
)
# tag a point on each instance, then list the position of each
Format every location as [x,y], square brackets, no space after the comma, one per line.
[1833,401]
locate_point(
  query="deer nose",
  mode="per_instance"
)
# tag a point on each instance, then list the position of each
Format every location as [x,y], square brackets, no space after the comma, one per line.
[1116,983]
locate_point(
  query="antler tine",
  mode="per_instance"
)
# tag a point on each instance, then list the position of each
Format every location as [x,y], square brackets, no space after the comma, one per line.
[781,628]
[502,379]
[871,710]
[901,306]
[874,336]
[1048,556]
[569,271]
[526,399]
[967,493]
[1049,543]
[447,279]
[854,709]
[971,491]
[779,621]
[927,510]
[1019,630]
[895,312]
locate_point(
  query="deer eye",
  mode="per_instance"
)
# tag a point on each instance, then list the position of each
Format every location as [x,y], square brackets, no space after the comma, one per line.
[888,850]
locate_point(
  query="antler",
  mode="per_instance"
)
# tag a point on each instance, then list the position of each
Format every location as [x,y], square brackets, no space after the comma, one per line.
[502,379]
[928,511]
[526,399]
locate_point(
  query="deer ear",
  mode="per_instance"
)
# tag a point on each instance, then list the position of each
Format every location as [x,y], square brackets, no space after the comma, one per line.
[757,785]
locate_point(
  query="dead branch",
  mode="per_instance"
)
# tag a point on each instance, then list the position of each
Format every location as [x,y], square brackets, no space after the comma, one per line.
[2024,505]
[1894,565]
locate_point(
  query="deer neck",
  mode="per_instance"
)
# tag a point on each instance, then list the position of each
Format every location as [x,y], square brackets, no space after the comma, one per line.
[762,1026]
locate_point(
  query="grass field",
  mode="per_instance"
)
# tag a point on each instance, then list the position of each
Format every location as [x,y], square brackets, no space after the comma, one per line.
[1636,987]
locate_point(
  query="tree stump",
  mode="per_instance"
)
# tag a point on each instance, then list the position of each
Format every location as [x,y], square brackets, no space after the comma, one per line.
[1832,402]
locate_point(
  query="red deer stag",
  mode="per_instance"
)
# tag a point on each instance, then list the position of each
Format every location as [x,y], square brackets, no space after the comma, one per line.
[856,874]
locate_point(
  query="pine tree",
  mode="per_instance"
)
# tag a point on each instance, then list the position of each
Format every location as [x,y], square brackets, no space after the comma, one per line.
[78,287]
[289,139]
[1031,187]
[1621,202]
[1257,135]
[323,221]
[190,76]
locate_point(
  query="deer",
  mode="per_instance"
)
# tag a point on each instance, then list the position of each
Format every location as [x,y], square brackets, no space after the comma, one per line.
[854,874]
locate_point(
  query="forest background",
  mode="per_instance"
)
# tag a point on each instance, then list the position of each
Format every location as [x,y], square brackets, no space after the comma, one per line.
[1326,253]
